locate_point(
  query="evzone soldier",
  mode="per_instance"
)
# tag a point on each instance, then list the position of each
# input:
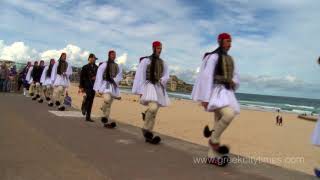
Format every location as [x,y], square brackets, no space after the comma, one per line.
[215,88]
[108,76]
[150,83]
[29,79]
[316,141]
[23,76]
[60,75]
[47,84]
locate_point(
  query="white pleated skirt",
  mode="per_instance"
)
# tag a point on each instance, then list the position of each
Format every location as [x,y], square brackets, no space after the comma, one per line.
[61,81]
[30,81]
[154,93]
[316,133]
[222,97]
[107,87]
[47,82]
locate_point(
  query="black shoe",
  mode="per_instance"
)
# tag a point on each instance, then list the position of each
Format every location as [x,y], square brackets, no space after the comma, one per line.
[62,108]
[104,120]
[37,96]
[34,98]
[89,120]
[156,140]
[40,101]
[50,104]
[149,138]
[219,161]
[147,134]
[221,149]
[110,125]
[317,172]
[48,99]
[57,103]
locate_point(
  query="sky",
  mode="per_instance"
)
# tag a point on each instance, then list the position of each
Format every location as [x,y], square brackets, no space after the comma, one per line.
[275,43]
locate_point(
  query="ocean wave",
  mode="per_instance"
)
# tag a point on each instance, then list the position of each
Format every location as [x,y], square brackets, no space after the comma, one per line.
[178,95]
[296,106]
[257,105]
[262,107]
[301,111]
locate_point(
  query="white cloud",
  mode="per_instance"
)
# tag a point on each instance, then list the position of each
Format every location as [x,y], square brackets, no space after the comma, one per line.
[75,55]
[122,59]
[271,38]
[17,51]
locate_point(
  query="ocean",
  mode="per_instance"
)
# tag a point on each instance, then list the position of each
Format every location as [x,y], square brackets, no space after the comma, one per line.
[267,103]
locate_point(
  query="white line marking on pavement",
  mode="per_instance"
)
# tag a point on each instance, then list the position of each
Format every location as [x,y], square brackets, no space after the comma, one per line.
[125,141]
[77,114]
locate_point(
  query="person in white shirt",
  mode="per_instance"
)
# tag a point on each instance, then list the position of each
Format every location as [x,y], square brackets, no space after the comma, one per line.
[60,75]
[47,84]
[150,83]
[109,75]
[215,88]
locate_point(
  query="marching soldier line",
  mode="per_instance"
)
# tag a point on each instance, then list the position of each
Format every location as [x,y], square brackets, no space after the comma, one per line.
[215,87]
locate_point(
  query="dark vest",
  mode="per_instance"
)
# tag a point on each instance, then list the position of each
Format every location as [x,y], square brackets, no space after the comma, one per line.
[157,72]
[224,70]
[113,69]
[62,67]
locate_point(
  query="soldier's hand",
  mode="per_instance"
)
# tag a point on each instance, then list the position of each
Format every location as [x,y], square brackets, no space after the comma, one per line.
[93,78]
[81,90]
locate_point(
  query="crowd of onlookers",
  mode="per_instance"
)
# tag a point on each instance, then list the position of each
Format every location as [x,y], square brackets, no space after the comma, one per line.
[9,78]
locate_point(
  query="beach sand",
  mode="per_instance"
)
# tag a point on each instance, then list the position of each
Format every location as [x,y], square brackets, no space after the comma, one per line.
[252,134]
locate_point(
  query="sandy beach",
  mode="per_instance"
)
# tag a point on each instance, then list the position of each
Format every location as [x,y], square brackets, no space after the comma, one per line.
[252,134]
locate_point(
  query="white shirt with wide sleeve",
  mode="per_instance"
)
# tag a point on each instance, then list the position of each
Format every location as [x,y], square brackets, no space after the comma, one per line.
[103,86]
[46,80]
[29,78]
[151,92]
[316,133]
[216,95]
[61,80]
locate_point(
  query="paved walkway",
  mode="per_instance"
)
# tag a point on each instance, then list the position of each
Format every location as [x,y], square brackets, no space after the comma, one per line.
[36,144]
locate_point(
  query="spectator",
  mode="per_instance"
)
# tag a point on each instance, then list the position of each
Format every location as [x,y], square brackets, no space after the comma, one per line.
[4,77]
[22,75]
[13,78]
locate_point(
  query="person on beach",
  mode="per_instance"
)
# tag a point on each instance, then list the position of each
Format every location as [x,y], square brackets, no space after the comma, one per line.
[109,75]
[87,80]
[280,121]
[60,76]
[4,77]
[215,88]
[13,79]
[277,120]
[150,83]
[47,84]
